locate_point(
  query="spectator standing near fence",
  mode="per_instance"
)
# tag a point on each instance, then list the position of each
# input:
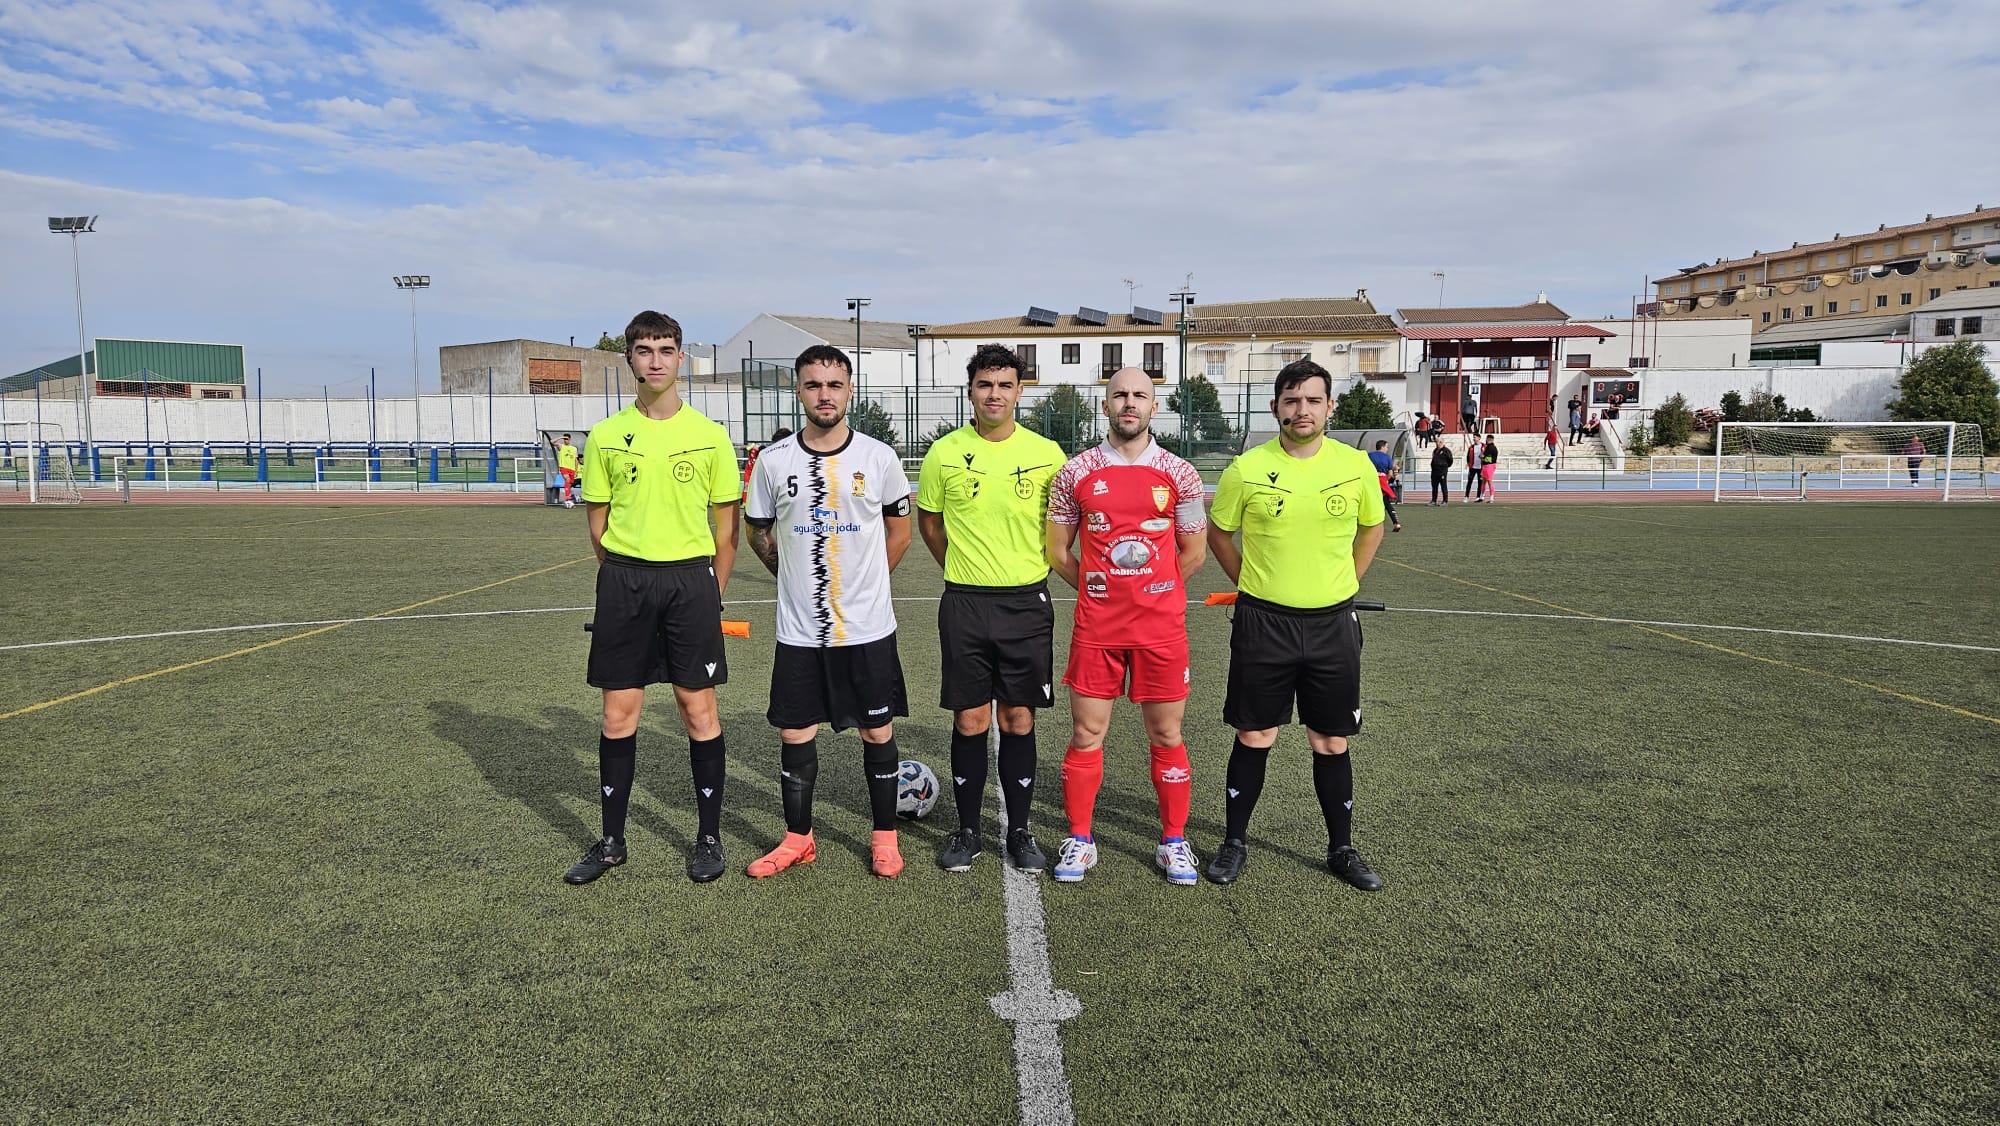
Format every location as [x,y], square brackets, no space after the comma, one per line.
[1422,429]
[1472,467]
[1468,411]
[1575,419]
[1915,451]
[1440,475]
[1553,441]
[1489,464]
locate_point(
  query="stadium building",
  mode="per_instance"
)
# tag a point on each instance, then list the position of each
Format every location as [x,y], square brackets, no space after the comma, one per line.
[159,369]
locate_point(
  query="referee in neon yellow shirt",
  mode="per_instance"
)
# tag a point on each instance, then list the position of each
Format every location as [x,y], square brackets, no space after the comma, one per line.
[661,491]
[1309,511]
[982,496]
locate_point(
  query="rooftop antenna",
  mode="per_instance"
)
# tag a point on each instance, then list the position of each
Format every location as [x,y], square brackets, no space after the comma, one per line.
[1130,286]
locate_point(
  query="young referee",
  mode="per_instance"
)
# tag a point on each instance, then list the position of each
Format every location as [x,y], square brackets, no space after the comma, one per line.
[981,498]
[1310,513]
[829,515]
[656,474]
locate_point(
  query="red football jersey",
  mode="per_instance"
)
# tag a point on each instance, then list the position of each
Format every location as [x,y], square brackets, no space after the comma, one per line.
[1127,515]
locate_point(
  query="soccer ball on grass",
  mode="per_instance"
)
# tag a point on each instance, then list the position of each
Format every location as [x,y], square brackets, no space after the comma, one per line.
[916,789]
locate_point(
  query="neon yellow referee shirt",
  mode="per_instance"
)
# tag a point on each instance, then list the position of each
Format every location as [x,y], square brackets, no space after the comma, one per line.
[994,497]
[660,477]
[1299,517]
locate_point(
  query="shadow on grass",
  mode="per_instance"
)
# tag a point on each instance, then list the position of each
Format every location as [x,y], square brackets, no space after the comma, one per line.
[544,766]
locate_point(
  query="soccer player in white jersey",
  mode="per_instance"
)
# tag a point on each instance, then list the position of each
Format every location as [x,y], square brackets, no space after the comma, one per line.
[1125,528]
[829,515]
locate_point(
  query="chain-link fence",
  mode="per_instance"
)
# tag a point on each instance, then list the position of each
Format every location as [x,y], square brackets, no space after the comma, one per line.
[1211,428]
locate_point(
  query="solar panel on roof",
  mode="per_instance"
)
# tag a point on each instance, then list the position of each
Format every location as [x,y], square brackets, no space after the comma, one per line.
[1145,316]
[1040,316]
[1085,315]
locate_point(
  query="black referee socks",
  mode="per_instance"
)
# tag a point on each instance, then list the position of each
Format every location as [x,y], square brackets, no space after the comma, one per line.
[798,765]
[1017,777]
[968,777]
[1245,784]
[1333,781]
[616,759]
[706,756]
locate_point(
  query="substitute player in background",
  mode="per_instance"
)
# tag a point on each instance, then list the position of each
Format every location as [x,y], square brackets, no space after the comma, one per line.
[829,515]
[1125,529]
[567,460]
[1310,511]
[981,496]
[658,472]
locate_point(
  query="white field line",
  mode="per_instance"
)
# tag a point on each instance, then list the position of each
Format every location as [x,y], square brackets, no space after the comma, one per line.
[1033,1004]
[768,601]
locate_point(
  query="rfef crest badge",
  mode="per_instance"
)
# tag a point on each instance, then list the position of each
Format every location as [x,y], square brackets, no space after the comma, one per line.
[1161,495]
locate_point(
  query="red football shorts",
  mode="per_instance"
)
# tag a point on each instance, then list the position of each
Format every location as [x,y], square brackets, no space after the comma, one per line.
[1157,673]
[568,475]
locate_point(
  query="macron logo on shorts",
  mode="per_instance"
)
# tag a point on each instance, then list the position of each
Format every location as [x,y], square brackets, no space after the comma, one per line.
[711,672]
[1357,715]
[1046,693]
[609,790]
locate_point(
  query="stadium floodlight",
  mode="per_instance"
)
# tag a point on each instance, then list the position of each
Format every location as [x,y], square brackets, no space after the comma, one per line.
[413,283]
[916,349]
[855,305]
[74,225]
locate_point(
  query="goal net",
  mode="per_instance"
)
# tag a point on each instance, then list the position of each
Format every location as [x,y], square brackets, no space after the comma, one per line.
[35,459]
[1849,461]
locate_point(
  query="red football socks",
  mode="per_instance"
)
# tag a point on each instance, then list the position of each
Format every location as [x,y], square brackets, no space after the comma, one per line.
[1170,780]
[1082,774]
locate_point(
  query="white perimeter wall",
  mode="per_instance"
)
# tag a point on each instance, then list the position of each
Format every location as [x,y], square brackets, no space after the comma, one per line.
[1845,394]
[781,341]
[446,418]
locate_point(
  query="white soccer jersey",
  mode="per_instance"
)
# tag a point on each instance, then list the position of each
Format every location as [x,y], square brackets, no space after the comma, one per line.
[826,511]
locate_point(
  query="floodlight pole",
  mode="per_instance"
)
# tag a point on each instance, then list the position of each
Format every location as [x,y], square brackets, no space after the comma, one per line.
[917,350]
[413,283]
[1185,299]
[74,226]
[855,305]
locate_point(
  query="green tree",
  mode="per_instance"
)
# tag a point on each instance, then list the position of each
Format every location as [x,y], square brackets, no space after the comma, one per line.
[1362,408]
[609,343]
[1732,406]
[937,433]
[872,419]
[1638,441]
[1064,417]
[1202,418]
[1950,383]
[1673,422]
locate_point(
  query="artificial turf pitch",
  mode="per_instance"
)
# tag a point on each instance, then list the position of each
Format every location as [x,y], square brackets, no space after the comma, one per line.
[1634,873]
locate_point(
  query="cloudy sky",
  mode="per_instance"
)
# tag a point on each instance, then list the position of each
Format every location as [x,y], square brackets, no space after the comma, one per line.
[263,167]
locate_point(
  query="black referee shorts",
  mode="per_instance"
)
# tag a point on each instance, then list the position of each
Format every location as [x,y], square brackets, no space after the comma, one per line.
[859,686]
[657,623]
[998,644]
[1278,655]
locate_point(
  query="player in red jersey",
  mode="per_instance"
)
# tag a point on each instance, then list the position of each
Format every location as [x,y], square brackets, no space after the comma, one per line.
[1126,528]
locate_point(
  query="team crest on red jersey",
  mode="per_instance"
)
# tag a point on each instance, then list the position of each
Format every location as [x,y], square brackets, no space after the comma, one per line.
[1161,496]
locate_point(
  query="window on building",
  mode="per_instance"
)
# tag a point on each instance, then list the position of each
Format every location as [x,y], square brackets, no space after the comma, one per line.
[1578,360]
[1787,312]
[1113,358]
[1072,353]
[1937,241]
[213,393]
[1840,259]
[1291,355]
[555,387]
[1216,366]
[1857,274]
[1369,360]
[1947,326]
[1639,362]
[1029,373]
[1820,261]
[1902,299]
[1881,301]
[1155,361]
[1971,326]
[1913,243]
[1934,295]
[1832,307]
[1742,276]
[1867,252]
[1854,306]
[1767,317]
[1808,310]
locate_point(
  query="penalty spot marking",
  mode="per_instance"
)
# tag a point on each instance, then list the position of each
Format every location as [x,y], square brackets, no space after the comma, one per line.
[1032,1003]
